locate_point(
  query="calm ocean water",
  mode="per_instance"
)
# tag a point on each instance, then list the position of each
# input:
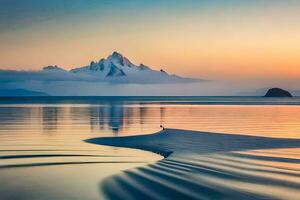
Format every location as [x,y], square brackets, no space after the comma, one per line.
[49,131]
[75,118]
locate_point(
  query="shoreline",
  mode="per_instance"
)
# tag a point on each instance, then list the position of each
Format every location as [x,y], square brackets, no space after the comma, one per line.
[162,153]
[201,165]
[170,141]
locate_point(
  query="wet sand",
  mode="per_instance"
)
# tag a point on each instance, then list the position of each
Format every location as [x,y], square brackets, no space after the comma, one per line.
[201,165]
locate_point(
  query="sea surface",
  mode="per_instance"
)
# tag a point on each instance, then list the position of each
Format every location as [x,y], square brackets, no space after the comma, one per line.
[43,152]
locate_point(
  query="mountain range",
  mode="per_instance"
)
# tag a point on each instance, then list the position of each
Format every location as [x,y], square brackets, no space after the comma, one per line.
[118,69]
[114,75]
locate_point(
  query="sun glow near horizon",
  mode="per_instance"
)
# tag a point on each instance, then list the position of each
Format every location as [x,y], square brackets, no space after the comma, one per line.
[208,39]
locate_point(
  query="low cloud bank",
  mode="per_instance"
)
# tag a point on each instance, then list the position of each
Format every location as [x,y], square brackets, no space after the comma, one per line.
[13,76]
[64,83]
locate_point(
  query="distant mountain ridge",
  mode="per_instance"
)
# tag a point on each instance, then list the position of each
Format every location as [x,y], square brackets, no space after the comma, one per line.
[114,65]
[20,92]
[118,68]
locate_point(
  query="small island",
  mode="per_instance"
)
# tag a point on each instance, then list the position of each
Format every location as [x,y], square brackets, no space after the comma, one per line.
[278,92]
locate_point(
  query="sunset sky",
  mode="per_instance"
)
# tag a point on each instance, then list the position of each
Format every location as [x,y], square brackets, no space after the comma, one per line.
[213,39]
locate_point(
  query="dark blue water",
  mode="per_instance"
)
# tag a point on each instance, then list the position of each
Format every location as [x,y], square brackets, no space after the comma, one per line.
[201,100]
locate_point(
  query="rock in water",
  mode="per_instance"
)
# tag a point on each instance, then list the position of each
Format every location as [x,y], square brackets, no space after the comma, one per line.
[278,92]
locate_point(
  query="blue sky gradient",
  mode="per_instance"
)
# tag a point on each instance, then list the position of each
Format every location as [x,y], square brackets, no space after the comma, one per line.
[211,39]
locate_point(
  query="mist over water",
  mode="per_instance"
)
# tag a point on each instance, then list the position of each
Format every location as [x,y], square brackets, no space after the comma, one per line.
[42,138]
[67,86]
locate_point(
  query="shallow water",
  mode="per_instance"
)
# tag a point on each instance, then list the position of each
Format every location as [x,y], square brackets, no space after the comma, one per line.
[208,166]
[42,152]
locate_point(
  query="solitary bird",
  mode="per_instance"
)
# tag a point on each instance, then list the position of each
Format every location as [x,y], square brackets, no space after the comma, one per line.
[161,126]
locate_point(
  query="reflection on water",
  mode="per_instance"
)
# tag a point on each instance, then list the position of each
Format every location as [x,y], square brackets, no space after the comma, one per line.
[84,121]
[214,176]
[208,166]
[43,155]
[42,142]
[50,119]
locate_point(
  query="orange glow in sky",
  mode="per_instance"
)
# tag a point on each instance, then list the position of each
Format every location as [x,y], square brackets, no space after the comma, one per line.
[207,39]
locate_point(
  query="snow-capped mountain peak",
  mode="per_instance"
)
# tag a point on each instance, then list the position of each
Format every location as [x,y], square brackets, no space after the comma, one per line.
[118,68]
[94,66]
[119,59]
[113,65]
[115,71]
